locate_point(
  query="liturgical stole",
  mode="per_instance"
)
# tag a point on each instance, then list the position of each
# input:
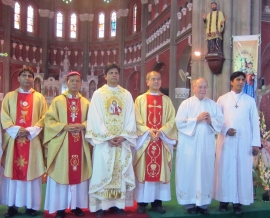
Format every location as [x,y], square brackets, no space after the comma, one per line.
[74,115]
[154,149]
[22,145]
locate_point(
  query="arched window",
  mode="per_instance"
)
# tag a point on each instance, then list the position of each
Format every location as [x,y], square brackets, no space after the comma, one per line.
[73,26]
[101,22]
[59,24]
[113,24]
[134,18]
[17,16]
[30,19]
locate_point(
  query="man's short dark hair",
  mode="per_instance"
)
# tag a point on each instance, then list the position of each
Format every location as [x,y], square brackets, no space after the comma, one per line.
[213,3]
[237,74]
[111,66]
[26,69]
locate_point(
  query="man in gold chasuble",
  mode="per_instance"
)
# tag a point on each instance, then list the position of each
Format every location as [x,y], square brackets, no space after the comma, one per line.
[111,129]
[155,119]
[69,165]
[22,118]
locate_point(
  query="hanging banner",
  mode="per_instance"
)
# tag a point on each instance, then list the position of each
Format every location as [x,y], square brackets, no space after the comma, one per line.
[245,59]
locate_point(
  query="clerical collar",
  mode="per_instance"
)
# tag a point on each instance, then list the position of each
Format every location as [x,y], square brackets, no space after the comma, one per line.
[234,93]
[198,98]
[22,91]
[154,93]
[112,88]
[70,96]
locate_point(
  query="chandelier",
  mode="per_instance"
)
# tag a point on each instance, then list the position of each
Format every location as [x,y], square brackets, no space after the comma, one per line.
[67,1]
[107,1]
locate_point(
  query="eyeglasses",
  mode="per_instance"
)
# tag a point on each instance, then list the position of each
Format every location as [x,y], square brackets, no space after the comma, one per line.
[25,76]
[155,79]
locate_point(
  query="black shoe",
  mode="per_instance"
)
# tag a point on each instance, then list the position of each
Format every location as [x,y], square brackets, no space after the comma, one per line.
[118,211]
[31,212]
[159,209]
[100,213]
[237,209]
[192,210]
[223,207]
[203,211]
[60,214]
[11,212]
[78,211]
[140,209]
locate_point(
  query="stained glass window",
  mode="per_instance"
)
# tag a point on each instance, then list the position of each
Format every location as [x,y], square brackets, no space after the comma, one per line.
[134,18]
[101,22]
[17,16]
[59,24]
[30,19]
[73,26]
[113,24]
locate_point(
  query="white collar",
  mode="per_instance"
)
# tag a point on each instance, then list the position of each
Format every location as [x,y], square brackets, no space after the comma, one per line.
[22,91]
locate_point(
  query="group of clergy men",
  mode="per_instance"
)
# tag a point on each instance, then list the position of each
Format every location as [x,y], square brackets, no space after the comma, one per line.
[104,154]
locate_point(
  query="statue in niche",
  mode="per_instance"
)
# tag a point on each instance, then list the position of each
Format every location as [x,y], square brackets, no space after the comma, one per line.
[92,88]
[51,92]
[37,85]
[66,64]
[46,91]
[56,93]
[214,23]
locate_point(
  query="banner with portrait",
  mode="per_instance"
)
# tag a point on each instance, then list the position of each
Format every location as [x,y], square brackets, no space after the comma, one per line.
[245,59]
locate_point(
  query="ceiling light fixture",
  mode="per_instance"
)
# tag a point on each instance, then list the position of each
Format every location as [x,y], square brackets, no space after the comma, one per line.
[67,1]
[107,1]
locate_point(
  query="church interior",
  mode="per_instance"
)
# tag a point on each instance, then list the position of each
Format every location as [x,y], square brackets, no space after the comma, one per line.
[55,37]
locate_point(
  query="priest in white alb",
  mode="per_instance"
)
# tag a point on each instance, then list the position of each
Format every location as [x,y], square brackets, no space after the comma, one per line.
[113,136]
[236,143]
[197,120]
[155,118]
[22,118]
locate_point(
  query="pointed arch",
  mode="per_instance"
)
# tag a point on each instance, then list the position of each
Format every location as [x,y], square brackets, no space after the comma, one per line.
[59,24]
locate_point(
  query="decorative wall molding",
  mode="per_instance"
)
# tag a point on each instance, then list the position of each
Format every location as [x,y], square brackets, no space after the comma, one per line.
[122,13]
[46,13]
[144,1]
[11,3]
[86,17]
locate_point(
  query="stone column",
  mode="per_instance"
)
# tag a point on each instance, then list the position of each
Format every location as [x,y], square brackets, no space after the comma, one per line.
[45,30]
[173,48]
[145,17]
[8,10]
[121,33]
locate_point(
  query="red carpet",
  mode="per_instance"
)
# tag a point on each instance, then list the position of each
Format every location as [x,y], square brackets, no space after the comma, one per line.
[130,212]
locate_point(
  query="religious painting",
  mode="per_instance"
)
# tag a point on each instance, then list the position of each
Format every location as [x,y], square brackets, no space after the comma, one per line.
[114,106]
[245,59]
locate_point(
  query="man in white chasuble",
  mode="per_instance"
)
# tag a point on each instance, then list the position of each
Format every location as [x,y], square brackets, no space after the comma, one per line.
[111,129]
[22,118]
[197,120]
[69,165]
[237,141]
[155,120]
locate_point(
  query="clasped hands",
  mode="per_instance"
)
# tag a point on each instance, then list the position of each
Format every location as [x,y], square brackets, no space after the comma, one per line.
[116,141]
[74,128]
[23,133]
[204,116]
[154,134]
